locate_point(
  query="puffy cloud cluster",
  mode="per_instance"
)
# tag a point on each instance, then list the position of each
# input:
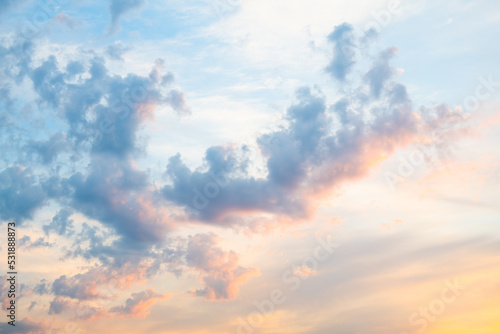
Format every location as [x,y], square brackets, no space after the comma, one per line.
[323,145]
[326,141]
[116,195]
[102,115]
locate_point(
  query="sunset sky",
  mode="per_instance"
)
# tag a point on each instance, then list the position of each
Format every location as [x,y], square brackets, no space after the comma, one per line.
[251,166]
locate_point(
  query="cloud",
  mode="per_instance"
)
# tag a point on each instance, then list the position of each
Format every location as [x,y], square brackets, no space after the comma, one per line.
[48,82]
[137,306]
[344,50]
[219,270]
[32,306]
[102,110]
[116,194]
[118,8]
[42,288]
[49,150]
[303,271]
[116,51]
[26,326]
[113,191]
[99,281]
[60,223]
[17,58]
[381,72]
[96,282]
[106,111]
[59,305]
[20,194]
[320,147]
[81,286]
[222,275]
[4,285]
[178,102]
[26,243]
[103,114]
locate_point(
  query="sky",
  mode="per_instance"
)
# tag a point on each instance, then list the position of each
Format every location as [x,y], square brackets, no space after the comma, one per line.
[251,166]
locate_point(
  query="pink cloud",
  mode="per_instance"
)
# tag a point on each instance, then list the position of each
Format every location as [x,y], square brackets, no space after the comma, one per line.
[221,273]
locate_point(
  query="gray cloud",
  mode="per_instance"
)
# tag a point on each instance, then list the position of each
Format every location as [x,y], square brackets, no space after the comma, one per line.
[320,148]
[344,50]
[26,326]
[116,51]
[25,242]
[118,8]
[20,194]
[60,224]
[59,305]
[48,150]
[381,72]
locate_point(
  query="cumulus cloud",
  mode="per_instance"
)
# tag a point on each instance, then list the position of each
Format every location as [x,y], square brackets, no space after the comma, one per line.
[322,146]
[115,194]
[106,111]
[103,114]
